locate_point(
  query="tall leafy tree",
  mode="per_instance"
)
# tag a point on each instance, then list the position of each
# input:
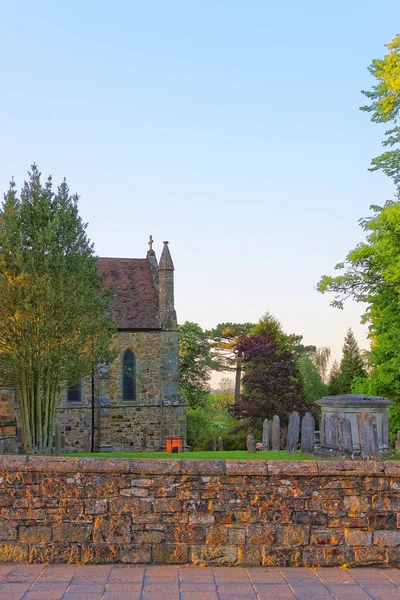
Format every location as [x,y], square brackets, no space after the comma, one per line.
[371,274]
[54,323]
[226,353]
[351,365]
[321,358]
[195,364]
[314,387]
[223,398]
[272,383]
[384,107]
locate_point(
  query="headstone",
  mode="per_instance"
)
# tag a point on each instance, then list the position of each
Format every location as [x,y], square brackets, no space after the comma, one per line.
[397,445]
[265,435]
[368,436]
[214,445]
[220,444]
[293,433]
[331,431]
[276,434]
[251,444]
[270,432]
[345,438]
[307,433]
[58,440]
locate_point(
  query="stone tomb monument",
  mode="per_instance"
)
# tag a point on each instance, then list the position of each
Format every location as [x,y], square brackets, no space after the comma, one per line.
[348,406]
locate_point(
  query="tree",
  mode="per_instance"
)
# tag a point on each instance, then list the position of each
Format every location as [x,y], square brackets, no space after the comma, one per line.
[53,307]
[351,365]
[224,397]
[385,107]
[224,337]
[272,382]
[334,377]
[321,359]
[195,364]
[371,274]
[314,387]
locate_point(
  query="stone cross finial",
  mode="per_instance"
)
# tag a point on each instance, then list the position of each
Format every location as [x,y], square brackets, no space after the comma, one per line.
[151,242]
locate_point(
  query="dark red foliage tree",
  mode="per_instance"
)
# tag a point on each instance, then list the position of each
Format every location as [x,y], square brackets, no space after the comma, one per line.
[272,382]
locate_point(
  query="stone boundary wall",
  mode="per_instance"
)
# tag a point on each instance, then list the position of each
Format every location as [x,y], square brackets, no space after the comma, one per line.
[274,513]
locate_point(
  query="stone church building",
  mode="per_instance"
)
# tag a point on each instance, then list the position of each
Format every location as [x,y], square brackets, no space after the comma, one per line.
[135,403]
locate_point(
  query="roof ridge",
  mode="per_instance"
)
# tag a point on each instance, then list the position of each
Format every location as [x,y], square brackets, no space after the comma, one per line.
[118,258]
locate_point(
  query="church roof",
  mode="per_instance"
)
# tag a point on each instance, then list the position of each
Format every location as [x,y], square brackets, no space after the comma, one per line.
[135,303]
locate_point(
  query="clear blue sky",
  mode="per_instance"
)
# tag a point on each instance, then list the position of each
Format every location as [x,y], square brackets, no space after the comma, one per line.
[229,128]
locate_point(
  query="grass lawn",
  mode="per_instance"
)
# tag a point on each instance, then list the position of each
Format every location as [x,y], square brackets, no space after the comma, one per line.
[226,455]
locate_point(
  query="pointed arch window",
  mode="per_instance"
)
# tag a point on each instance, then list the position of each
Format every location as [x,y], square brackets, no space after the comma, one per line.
[129,376]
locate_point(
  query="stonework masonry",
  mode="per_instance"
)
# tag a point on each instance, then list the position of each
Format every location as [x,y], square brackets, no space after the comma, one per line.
[275,513]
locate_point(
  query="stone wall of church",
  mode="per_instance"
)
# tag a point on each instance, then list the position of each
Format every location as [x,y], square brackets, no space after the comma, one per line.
[158,411]
[119,425]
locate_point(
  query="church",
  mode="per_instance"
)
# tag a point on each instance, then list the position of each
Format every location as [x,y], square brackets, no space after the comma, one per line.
[134,404]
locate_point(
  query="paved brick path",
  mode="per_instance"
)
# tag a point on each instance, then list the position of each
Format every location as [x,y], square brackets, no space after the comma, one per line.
[70,582]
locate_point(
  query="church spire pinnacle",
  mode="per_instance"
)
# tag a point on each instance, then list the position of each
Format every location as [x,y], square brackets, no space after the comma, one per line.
[166,263]
[151,257]
[166,290]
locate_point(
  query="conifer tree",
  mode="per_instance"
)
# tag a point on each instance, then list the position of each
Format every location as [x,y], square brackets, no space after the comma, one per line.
[54,323]
[352,363]
[334,379]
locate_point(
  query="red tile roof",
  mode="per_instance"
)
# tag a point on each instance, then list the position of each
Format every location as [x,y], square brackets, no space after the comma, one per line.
[135,302]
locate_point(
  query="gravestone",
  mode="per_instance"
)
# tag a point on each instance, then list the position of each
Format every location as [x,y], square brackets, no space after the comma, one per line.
[368,436]
[276,434]
[307,433]
[293,433]
[330,430]
[344,437]
[251,444]
[397,445]
[214,445]
[220,444]
[265,435]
